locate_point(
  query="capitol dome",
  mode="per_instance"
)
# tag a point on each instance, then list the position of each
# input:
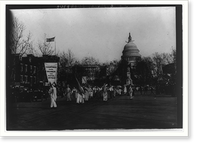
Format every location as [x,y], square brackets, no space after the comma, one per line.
[130,52]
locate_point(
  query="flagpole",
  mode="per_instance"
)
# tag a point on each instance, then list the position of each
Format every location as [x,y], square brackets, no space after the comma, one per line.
[55,45]
[57,63]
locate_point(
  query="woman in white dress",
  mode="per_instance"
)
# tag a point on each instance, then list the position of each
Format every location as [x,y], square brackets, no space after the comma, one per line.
[78,96]
[131,92]
[125,90]
[90,92]
[86,94]
[53,95]
[105,93]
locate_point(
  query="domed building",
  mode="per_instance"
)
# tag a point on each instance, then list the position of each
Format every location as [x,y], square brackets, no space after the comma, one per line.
[131,52]
[126,70]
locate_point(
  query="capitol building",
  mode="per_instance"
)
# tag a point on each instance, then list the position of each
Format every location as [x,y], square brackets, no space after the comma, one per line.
[131,53]
[126,70]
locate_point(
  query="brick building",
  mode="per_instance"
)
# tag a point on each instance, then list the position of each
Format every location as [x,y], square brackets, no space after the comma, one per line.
[29,71]
[24,70]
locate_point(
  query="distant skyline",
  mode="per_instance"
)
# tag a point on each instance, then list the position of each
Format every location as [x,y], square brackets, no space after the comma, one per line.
[102,32]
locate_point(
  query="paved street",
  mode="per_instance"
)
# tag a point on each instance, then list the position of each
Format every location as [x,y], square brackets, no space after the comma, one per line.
[142,112]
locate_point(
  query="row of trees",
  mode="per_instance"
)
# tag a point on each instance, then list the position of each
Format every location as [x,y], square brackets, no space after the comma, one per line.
[20,44]
[155,62]
[151,68]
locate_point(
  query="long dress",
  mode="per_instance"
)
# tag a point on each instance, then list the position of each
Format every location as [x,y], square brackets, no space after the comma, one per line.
[90,93]
[125,90]
[80,98]
[131,93]
[86,95]
[105,94]
[53,96]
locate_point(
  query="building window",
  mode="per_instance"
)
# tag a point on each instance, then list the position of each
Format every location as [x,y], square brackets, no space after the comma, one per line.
[21,67]
[34,71]
[26,68]
[26,79]
[30,68]
[21,78]
[31,80]
[20,58]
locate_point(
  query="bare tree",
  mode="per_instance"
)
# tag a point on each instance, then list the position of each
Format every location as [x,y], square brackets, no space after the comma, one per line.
[157,62]
[67,59]
[19,44]
[162,59]
[149,62]
[89,61]
[111,66]
[167,58]
[31,49]
[173,55]
[71,58]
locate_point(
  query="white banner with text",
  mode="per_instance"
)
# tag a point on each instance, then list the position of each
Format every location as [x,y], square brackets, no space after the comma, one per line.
[51,72]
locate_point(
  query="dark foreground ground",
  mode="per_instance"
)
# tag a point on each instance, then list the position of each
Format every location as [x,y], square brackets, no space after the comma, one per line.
[143,112]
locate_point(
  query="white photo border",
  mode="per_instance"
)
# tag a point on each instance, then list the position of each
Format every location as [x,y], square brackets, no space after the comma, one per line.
[79,133]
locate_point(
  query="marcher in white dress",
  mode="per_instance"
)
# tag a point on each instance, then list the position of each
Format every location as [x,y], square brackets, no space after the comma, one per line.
[79,95]
[105,93]
[53,95]
[125,90]
[90,92]
[80,98]
[86,94]
[131,92]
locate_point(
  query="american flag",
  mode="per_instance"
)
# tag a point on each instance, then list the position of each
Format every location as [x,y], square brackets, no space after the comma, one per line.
[50,39]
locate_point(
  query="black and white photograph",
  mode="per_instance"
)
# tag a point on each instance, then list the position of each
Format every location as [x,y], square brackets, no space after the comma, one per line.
[94,68]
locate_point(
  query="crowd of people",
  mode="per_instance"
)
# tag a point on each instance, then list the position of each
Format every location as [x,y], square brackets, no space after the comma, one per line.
[85,93]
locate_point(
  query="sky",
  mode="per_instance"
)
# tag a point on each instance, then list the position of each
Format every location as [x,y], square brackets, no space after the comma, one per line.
[102,32]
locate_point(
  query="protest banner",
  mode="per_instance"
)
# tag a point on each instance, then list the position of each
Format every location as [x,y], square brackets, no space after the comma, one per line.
[51,72]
